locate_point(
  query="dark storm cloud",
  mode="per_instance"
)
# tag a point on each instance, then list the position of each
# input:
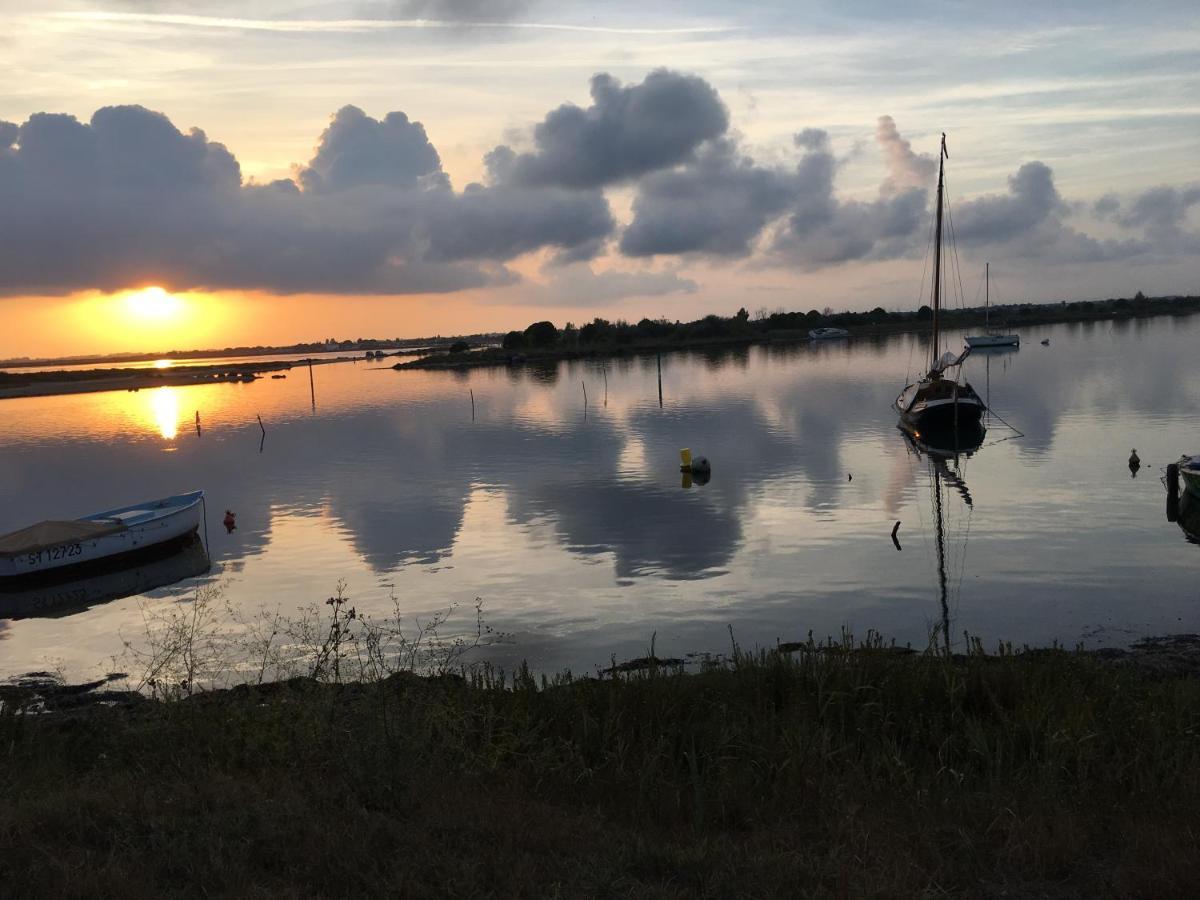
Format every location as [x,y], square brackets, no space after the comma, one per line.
[128,199]
[628,130]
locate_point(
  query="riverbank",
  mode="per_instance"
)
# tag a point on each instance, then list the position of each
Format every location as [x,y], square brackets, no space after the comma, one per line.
[713,332]
[828,770]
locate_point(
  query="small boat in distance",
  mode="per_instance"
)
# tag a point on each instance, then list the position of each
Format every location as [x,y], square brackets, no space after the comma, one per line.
[827,334]
[49,546]
[990,338]
[938,403]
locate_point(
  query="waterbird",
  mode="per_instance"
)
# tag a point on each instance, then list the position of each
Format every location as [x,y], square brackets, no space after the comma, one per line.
[230,521]
[1134,461]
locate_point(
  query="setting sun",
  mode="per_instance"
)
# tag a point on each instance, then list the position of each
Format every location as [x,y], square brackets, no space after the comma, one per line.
[152,303]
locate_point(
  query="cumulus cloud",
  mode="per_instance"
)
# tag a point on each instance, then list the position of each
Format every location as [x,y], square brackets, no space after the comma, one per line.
[627,131]
[822,230]
[128,198]
[358,150]
[718,205]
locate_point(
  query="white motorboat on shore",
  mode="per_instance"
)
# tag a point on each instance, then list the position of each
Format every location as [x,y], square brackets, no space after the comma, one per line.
[827,334]
[49,546]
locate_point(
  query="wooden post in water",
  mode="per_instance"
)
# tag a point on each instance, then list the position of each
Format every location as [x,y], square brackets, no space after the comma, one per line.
[472,390]
[604,371]
[659,358]
[263,440]
[197,423]
[311,387]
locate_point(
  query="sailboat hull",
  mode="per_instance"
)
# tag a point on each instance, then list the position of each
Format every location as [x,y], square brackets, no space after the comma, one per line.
[993,340]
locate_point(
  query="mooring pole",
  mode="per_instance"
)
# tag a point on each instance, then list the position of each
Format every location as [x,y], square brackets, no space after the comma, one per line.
[472,390]
[659,358]
[312,387]
[604,371]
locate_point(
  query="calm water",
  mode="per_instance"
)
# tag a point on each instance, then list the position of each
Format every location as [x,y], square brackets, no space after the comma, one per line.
[572,525]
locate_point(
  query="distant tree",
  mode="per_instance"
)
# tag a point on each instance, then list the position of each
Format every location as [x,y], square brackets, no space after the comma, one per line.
[460,347]
[514,340]
[1139,297]
[742,315]
[827,311]
[925,314]
[541,334]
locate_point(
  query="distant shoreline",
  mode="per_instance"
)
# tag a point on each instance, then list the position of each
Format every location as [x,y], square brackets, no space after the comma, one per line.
[751,333]
[48,384]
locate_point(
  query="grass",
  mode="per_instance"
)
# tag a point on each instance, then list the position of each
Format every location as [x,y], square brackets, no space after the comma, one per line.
[835,770]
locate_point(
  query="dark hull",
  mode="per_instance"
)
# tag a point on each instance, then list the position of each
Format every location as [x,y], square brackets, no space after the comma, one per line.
[947,417]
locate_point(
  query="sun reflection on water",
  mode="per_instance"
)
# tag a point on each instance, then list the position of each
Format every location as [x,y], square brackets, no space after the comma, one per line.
[164,406]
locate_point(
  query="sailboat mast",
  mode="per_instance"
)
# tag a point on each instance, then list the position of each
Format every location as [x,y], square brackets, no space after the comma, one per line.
[937,257]
[987,295]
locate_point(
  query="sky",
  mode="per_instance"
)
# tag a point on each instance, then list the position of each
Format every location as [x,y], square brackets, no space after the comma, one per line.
[177,175]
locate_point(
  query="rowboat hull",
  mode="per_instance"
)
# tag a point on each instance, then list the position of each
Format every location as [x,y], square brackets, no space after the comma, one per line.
[145,526]
[1189,472]
[65,591]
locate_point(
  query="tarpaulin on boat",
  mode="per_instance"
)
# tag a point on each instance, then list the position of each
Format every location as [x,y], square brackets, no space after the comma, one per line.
[52,533]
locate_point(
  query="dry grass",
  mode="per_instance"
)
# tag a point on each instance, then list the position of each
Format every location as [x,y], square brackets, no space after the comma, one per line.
[829,771]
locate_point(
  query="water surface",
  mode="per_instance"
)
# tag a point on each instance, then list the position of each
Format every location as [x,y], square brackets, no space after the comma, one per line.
[572,526]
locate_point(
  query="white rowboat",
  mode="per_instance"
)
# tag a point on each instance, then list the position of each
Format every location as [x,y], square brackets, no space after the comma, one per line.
[53,545]
[827,334]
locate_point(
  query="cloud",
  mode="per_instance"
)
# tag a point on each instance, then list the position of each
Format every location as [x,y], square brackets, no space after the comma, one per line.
[358,150]
[1031,199]
[129,199]
[1162,207]
[718,205]
[468,11]
[821,230]
[626,132]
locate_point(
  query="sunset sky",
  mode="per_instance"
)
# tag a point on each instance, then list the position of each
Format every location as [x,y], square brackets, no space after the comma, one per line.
[296,171]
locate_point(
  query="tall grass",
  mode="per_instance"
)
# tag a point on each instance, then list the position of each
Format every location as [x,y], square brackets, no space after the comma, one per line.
[838,769]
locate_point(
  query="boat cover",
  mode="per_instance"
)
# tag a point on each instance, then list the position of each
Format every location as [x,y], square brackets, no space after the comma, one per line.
[52,533]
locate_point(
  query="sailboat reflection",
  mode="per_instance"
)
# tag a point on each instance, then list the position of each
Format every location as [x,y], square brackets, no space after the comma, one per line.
[60,598]
[945,453]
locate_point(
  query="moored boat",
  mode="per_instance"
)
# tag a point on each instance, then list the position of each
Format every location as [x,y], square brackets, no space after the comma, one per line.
[69,590]
[990,338]
[115,533]
[827,334]
[1189,472]
[938,402]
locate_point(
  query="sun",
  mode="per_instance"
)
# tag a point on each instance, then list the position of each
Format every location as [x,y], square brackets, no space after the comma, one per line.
[152,303]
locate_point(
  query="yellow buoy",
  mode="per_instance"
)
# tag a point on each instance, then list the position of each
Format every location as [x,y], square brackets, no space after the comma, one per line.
[685,458]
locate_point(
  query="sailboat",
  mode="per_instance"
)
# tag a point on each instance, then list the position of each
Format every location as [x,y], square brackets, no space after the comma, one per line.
[990,338]
[938,402]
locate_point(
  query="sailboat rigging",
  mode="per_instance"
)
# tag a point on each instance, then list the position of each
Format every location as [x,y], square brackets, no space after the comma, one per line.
[937,402]
[990,338]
